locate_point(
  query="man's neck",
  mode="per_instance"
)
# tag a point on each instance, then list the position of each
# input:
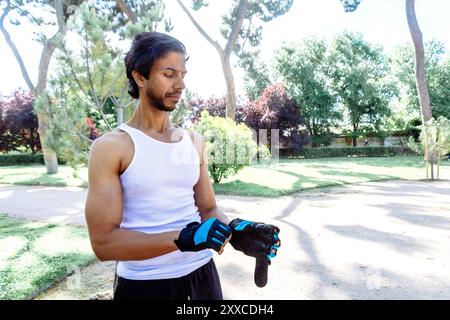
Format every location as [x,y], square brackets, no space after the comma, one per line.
[149,118]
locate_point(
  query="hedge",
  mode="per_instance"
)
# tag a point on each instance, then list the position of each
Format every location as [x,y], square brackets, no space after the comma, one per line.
[330,152]
[308,153]
[23,159]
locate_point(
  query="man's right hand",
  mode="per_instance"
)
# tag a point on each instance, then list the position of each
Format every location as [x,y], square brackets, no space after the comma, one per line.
[210,234]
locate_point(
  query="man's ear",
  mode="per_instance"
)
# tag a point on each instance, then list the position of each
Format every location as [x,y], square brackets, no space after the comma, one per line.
[138,78]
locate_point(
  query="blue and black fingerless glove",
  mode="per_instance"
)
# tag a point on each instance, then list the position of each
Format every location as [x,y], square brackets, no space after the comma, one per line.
[210,234]
[255,239]
[259,240]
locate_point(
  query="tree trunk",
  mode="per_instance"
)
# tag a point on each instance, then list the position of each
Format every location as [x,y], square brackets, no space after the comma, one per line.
[50,158]
[422,88]
[231,91]
[224,53]
[51,161]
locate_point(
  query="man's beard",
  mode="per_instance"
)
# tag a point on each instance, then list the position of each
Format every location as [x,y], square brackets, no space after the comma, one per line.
[157,102]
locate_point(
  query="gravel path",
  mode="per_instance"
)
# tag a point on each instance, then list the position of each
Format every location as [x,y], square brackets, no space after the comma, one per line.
[378,240]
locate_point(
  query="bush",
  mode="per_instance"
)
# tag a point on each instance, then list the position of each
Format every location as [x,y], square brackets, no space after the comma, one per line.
[230,146]
[309,153]
[23,159]
[437,133]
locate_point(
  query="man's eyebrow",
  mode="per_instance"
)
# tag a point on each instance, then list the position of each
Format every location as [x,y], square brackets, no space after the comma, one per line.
[173,69]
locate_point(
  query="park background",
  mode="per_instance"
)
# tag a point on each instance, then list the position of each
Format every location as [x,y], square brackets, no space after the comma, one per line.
[338,87]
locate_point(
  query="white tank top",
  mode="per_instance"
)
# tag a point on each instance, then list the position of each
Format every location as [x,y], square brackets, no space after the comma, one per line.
[158,196]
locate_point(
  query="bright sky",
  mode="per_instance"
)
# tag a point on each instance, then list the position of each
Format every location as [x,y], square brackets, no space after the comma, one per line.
[380,21]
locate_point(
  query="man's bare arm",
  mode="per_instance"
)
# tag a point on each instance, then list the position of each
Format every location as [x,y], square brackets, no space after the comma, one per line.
[205,199]
[104,211]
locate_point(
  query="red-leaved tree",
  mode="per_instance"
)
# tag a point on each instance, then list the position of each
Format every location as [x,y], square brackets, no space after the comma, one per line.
[275,109]
[18,123]
[93,132]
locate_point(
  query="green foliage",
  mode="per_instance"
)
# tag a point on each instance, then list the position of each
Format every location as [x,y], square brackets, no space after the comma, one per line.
[310,153]
[36,12]
[22,159]
[149,18]
[350,5]
[181,114]
[230,146]
[96,72]
[437,135]
[360,79]
[68,129]
[257,77]
[304,69]
[89,86]
[149,14]
[437,72]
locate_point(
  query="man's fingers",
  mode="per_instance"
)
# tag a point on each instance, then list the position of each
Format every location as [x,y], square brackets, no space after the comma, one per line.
[224,244]
[224,229]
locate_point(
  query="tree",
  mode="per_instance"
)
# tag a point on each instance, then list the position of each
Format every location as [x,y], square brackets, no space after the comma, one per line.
[90,85]
[18,123]
[94,71]
[239,28]
[276,109]
[88,90]
[86,80]
[437,76]
[139,11]
[422,88]
[359,79]
[435,135]
[61,11]
[256,79]
[416,35]
[304,69]
[129,17]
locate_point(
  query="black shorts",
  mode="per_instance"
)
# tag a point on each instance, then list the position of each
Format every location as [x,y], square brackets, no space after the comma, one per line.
[201,284]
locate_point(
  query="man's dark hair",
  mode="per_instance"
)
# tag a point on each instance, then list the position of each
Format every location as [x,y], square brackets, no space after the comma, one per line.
[145,49]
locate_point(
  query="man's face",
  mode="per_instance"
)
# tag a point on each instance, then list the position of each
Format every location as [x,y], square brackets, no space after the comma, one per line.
[165,84]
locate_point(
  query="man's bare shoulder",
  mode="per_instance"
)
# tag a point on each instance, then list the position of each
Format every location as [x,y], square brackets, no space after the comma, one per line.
[111,140]
[111,145]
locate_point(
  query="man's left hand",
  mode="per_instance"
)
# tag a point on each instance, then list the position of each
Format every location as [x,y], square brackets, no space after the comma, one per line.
[255,239]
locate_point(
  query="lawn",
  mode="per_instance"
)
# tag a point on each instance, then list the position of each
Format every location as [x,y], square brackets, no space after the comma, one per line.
[292,176]
[278,179]
[34,255]
[37,175]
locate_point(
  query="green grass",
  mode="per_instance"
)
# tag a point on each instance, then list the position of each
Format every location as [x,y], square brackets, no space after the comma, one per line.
[286,177]
[37,175]
[36,254]
[292,176]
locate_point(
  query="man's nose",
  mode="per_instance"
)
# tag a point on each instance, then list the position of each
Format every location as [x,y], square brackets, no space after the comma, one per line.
[180,83]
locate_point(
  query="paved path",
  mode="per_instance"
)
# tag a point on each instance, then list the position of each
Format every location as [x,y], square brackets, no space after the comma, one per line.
[380,240]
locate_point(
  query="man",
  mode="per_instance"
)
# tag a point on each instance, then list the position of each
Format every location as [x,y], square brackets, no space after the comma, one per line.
[150,203]
[366,143]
